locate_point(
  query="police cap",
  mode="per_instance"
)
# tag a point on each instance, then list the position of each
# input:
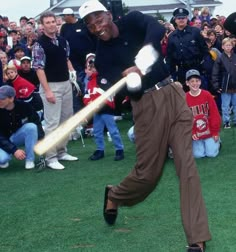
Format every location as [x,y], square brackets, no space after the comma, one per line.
[180,12]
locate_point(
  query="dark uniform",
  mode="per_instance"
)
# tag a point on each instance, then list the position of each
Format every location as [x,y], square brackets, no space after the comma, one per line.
[186,49]
[81,43]
[161,118]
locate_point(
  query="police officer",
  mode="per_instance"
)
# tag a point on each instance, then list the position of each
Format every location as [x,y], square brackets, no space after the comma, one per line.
[186,47]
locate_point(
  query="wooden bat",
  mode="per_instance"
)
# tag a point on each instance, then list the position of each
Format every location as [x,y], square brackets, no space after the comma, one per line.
[146,57]
[63,131]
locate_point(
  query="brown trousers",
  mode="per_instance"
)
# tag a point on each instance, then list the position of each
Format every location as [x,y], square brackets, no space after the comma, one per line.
[162,118]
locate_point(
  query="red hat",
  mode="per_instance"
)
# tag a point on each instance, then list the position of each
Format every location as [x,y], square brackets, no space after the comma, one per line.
[1,35]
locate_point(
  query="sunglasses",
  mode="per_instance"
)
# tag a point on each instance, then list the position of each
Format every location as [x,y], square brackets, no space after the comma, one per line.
[180,17]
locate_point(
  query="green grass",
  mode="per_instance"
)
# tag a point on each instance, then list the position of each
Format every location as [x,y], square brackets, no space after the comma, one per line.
[62,210]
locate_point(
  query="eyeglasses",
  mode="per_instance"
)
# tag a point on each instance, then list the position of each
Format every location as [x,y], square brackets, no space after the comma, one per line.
[180,17]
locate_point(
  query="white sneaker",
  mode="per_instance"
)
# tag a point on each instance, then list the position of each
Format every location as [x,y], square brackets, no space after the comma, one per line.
[4,165]
[67,157]
[55,165]
[118,118]
[29,164]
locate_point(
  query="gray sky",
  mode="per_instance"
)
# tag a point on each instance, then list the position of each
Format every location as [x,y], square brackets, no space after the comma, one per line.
[14,9]
[227,8]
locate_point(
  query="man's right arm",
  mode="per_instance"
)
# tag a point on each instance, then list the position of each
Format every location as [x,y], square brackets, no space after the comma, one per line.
[11,148]
[39,58]
[43,81]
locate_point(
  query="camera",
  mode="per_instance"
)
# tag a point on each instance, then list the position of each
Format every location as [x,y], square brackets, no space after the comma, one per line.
[91,62]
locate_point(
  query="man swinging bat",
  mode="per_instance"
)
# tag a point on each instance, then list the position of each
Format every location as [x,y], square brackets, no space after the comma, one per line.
[160,113]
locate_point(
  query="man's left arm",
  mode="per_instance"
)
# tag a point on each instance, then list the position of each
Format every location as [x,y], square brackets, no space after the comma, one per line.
[72,72]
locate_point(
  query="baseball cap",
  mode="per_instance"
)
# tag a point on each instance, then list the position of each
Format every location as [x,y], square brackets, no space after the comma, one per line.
[7,91]
[213,17]
[192,73]
[67,11]
[25,58]
[89,7]
[180,12]
[90,55]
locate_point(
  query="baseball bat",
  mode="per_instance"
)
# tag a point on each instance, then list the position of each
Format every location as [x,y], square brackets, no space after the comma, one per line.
[62,132]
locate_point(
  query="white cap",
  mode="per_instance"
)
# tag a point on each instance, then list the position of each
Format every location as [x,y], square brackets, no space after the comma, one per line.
[90,7]
[25,58]
[90,55]
[67,11]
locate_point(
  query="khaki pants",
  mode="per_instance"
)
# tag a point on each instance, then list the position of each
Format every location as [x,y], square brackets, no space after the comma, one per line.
[163,119]
[55,114]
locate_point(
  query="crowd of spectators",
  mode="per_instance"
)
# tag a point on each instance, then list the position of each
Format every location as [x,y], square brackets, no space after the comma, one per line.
[17,40]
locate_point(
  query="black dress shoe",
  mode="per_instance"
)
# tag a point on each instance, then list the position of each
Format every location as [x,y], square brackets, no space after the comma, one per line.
[109,215]
[119,155]
[196,248]
[98,154]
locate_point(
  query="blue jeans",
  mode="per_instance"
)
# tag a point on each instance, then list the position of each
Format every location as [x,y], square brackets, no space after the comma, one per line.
[226,99]
[206,148]
[99,123]
[27,135]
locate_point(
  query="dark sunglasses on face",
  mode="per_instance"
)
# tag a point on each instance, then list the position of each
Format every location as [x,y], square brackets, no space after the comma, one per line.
[180,17]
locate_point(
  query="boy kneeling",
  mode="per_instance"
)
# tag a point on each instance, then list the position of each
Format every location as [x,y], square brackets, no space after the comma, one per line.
[207,120]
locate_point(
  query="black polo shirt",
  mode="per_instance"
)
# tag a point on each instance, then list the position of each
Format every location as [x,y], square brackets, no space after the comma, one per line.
[118,54]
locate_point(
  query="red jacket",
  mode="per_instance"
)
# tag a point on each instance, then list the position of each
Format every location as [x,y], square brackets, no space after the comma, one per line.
[207,120]
[94,91]
[24,88]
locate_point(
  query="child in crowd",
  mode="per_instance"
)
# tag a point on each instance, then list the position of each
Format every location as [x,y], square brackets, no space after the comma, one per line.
[19,52]
[224,80]
[105,117]
[207,121]
[24,89]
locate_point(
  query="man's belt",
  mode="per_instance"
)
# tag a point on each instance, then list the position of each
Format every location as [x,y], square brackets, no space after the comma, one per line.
[160,84]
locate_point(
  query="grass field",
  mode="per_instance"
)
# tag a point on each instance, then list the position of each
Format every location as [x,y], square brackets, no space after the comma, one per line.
[61,211]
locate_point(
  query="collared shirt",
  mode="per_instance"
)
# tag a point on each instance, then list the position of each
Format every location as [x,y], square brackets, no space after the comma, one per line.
[38,54]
